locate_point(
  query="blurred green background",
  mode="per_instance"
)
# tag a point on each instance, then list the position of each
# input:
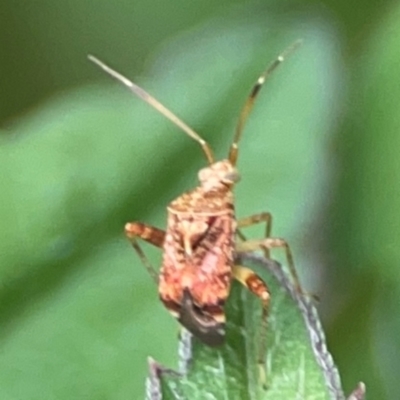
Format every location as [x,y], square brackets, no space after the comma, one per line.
[80,156]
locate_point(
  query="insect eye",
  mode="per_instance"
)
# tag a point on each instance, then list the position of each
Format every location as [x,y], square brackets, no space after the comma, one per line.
[232,177]
[204,327]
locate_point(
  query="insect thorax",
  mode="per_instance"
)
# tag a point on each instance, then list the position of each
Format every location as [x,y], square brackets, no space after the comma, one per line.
[198,250]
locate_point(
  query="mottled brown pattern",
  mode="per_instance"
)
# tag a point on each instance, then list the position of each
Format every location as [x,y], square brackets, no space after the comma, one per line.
[199,249]
[200,202]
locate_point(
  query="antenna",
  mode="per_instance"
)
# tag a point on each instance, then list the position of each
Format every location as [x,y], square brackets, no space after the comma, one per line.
[141,93]
[248,105]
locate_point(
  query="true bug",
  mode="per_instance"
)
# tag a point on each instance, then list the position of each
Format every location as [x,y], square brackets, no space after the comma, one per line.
[202,236]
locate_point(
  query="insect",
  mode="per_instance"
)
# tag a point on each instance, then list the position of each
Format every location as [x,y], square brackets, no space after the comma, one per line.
[203,235]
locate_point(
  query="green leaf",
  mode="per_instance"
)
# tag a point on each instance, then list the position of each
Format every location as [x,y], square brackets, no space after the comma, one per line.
[298,364]
[79,315]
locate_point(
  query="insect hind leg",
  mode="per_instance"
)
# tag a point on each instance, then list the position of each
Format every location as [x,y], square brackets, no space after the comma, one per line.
[251,281]
[152,235]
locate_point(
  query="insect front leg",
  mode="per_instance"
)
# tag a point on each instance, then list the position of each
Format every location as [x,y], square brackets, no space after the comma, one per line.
[253,220]
[152,235]
[251,281]
[271,243]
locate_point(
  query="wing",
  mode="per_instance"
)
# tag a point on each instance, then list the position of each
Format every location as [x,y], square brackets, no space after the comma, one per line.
[198,256]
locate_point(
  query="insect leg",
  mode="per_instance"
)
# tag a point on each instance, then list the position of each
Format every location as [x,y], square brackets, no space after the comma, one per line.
[256,219]
[150,234]
[271,243]
[257,286]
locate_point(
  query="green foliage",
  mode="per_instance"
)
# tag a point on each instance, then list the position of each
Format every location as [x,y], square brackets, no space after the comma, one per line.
[79,315]
[231,372]
[369,208]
